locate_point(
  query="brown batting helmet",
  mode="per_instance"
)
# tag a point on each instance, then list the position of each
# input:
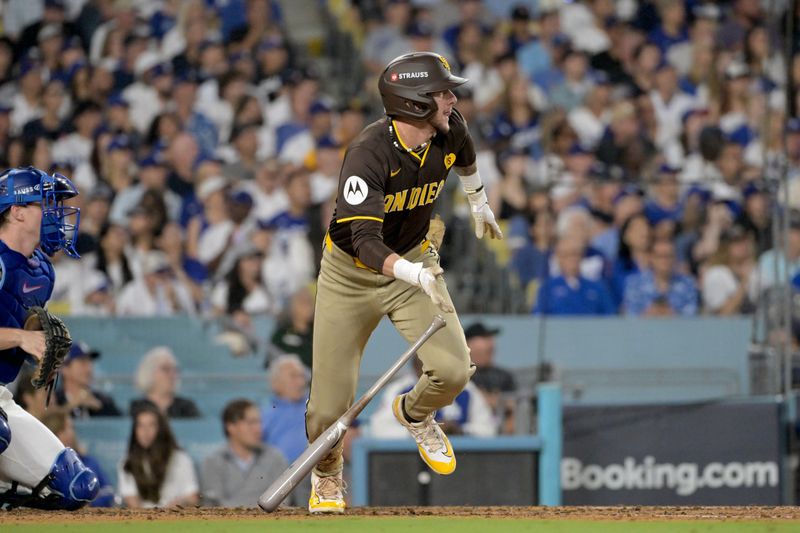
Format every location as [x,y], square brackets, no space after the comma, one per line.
[407,83]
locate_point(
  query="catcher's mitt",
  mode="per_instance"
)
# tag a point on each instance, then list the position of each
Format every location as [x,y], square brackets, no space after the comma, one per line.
[57,345]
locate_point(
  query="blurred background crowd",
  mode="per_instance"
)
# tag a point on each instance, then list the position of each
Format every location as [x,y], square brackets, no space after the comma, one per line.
[633,152]
[626,146]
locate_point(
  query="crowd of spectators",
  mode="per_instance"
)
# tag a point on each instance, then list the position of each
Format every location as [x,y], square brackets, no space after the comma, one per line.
[628,142]
[207,145]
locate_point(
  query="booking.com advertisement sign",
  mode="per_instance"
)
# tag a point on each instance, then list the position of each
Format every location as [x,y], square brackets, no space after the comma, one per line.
[701,454]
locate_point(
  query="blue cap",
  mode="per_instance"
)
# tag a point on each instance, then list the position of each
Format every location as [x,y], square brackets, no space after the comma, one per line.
[116,100]
[120,142]
[71,42]
[742,135]
[754,187]
[578,149]
[793,125]
[628,190]
[271,43]
[666,168]
[420,29]
[80,349]
[27,65]
[319,107]
[241,198]
[702,192]
[154,159]
[162,69]
[328,142]
[693,111]
[600,77]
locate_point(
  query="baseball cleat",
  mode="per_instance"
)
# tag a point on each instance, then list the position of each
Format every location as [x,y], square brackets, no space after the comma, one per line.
[434,446]
[327,494]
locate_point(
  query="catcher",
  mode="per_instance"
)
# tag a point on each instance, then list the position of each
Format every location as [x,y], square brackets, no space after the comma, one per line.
[36,470]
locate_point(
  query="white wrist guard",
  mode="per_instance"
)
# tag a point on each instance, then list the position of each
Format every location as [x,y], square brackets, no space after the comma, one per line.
[477,199]
[407,271]
[471,182]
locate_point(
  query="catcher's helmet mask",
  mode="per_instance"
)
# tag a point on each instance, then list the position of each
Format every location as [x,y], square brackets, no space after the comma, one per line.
[29,185]
[408,83]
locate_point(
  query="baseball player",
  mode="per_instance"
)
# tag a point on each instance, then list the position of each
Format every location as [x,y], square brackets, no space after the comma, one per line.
[377,262]
[36,470]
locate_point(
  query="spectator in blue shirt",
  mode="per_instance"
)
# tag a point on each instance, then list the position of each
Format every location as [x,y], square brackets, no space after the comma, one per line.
[284,416]
[531,261]
[664,203]
[672,29]
[660,290]
[570,293]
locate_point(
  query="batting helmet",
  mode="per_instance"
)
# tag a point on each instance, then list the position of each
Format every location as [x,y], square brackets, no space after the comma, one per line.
[29,185]
[407,83]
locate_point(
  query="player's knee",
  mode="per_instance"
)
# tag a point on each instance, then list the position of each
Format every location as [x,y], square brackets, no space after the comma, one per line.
[74,484]
[5,432]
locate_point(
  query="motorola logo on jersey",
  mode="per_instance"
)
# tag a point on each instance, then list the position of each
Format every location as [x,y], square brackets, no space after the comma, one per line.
[355,190]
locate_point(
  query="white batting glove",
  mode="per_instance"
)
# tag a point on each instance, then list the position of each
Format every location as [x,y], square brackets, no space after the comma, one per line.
[485,222]
[426,278]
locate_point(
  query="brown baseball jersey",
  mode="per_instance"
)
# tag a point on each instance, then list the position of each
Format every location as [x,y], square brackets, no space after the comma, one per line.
[387,191]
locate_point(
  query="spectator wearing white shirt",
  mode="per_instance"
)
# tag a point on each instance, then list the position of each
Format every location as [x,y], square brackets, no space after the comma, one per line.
[210,232]
[325,179]
[725,278]
[76,148]
[269,197]
[592,118]
[152,176]
[150,93]
[582,22]
[156,292]
[469,414]
[27,102]
[155,472]
[669,104]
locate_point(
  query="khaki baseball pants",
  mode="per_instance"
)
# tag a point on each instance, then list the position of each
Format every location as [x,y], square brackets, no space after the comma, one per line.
[351,300]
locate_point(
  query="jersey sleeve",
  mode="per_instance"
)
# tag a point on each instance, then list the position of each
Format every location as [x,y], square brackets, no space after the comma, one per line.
[360,203]
[465,147]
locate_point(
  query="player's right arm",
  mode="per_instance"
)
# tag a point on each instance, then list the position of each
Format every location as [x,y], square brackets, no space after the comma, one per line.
[30,342]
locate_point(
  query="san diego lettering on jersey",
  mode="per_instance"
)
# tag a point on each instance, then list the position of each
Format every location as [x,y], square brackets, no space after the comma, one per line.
[408,199]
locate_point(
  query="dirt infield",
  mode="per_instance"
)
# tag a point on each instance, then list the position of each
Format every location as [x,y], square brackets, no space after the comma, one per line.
[637,513]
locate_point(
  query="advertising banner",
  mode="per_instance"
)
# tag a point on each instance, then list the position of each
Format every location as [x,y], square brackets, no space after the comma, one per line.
[711,453]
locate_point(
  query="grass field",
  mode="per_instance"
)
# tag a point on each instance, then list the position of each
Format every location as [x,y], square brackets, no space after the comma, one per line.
[411,519]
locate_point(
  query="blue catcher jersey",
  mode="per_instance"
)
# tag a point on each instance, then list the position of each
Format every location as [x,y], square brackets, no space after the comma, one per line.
[24,282]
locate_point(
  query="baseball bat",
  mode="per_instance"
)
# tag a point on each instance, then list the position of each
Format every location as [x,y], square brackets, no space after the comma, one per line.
[281,487]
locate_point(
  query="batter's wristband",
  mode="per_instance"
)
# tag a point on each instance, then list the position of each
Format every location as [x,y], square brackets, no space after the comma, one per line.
[471,182]
[407,271]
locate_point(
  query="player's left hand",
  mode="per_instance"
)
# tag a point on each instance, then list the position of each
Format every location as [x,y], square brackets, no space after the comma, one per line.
[485,222]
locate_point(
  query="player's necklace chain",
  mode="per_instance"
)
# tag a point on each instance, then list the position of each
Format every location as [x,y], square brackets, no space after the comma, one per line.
[418,150]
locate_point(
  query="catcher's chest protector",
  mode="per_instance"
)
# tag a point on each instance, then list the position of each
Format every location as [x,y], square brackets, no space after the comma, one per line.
[23,283]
